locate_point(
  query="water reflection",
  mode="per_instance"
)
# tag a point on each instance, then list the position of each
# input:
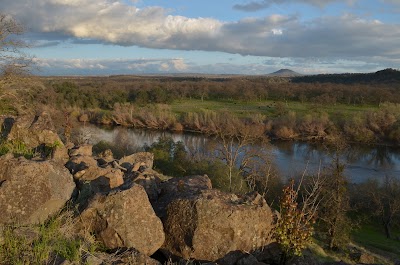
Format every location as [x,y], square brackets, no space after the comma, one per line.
[290,158]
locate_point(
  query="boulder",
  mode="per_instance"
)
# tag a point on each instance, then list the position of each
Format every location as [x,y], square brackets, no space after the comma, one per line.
[79,163]
[135,161]
[31,191]
[176,188]
[149,179]
[124,219]
[34,130]
[210,224]
[84,168]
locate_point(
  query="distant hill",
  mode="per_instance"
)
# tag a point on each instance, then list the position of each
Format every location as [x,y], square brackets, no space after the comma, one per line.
[285,73]
[383,76]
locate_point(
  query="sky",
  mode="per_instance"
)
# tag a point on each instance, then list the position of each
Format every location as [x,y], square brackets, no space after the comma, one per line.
[106,37]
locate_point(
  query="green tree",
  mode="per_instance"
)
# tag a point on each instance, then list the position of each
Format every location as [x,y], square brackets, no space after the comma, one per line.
[170,157]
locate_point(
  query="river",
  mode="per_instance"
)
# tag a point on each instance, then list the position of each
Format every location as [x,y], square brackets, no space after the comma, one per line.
[290,158]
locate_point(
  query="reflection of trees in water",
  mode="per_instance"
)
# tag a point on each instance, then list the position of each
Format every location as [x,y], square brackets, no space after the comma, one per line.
[285,147]
[289,155]
[311,152]
[378,157]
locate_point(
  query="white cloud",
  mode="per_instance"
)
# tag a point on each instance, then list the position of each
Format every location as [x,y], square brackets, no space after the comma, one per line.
[110,66]
[117,23]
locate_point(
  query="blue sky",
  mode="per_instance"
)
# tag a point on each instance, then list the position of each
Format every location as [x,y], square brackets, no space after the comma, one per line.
[101,37]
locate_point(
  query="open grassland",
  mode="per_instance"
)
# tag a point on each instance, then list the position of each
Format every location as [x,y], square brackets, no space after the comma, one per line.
[267,107]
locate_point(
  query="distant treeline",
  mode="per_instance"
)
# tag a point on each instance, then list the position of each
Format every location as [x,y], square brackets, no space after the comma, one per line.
[104,92]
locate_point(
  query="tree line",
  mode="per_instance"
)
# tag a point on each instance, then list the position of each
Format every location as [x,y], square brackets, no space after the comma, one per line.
[104,92]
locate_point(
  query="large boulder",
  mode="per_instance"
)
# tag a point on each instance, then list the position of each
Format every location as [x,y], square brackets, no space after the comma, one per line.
[176,188]
[124,219]
[149,179]
[210,224]
[31,191]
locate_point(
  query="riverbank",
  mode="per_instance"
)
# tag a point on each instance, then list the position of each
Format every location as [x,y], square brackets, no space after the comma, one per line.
[289,157]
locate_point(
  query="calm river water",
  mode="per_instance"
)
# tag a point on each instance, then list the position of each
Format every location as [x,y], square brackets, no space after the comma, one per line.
[291,158]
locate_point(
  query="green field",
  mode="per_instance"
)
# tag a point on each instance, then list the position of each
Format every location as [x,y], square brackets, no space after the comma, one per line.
[268,108]
[372,238]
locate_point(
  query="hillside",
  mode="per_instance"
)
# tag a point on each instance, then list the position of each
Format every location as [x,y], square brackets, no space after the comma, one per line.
[383,76]
[285,73]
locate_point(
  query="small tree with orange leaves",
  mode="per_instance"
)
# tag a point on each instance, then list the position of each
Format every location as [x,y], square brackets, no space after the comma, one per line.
[295,227]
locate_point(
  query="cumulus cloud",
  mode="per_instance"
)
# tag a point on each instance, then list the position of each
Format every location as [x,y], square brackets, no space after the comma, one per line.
[115,22]
[258,5]
[109,66]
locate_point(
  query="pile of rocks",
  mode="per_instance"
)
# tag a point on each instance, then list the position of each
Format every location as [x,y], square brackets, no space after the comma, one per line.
[132,209]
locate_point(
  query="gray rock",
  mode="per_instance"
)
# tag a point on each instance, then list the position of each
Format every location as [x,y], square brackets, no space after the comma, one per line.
[34,130]
[124,219]
[176,188]
[81,150]
[209,225]
[135,161]
[32,191]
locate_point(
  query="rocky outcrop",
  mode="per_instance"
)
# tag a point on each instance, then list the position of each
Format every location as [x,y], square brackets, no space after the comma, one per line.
[31,191]
[35,133]
[135,161]
[91,177]
[81,150]
[124,219]
[206,224]
[34,130]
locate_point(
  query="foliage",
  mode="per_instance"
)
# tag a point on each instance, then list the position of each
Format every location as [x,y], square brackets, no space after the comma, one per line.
[17,148]
[294,228]
[170,157]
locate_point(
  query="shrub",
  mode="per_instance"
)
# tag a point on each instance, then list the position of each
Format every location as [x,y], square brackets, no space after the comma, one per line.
[295,227]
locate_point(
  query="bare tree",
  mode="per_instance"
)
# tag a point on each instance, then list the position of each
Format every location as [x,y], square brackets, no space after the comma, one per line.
[235,145]
[12,59]
[334,222]
[385,198]
[14,65]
